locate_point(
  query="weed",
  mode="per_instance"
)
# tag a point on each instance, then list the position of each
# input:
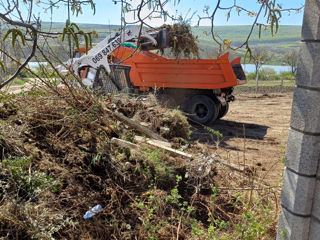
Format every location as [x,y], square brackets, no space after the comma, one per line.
[215,133]
[30,183]
[163,171]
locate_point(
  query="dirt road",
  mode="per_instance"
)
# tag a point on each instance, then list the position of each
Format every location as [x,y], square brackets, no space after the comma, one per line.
[255,132]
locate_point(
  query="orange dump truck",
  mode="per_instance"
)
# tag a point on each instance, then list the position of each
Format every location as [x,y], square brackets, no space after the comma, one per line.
[201,87]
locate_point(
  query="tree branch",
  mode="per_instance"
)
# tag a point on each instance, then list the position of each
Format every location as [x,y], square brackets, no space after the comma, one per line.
[20,68]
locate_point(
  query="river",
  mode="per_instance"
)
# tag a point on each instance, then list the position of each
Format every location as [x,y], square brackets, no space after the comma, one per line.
[251,68]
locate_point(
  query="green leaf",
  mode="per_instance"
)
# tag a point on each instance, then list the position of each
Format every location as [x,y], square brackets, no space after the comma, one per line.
[23,40]
[7,34]
[75,37]
[245,55]
[14,37]
[64,33]
[75,25]
[2,66]
[86,42]
[90,39]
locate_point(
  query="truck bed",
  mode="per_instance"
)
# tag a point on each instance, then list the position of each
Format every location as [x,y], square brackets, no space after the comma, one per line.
[149,70]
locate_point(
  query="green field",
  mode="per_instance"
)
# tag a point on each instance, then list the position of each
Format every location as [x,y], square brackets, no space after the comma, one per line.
[265,87]
[270,83]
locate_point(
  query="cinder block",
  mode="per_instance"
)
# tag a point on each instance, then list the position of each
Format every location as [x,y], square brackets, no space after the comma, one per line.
[292,227]
[308,73]
[305,115]
[314,233]
[297,193]
[316,202]
[302,153]
[311,20]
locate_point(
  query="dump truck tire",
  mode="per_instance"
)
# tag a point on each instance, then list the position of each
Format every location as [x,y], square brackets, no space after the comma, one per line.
[223,109]
[202,109]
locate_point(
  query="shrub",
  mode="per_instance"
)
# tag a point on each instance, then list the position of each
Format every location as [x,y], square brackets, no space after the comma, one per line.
[287,75]
[270,74]
[267,74]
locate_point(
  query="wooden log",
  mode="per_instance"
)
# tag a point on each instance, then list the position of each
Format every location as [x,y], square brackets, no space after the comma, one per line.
[138,126]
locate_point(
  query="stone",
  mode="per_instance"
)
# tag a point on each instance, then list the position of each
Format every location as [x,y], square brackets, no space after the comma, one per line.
[314,233]
[316,201]
[311,21]
[302,153]
[305,115]
[297,193]
[308,74]
[292,227]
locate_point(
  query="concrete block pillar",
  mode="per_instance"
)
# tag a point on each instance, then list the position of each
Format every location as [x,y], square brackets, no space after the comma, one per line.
[300,198]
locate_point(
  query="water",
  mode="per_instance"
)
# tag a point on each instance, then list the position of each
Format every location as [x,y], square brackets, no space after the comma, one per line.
[251,68]
[36,64]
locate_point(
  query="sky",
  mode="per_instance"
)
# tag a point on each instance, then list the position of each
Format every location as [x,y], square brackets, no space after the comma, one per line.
[109,13]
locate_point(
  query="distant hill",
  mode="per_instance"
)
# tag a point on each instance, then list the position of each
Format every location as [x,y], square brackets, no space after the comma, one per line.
[286,34]
[287,37]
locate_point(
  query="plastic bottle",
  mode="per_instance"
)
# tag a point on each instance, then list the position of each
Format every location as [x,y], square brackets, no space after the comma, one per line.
[93,211]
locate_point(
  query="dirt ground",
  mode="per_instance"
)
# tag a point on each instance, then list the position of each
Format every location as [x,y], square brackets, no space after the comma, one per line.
[255,133]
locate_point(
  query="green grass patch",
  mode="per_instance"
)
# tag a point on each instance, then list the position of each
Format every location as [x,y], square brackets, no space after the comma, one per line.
[270,83]
[20,81]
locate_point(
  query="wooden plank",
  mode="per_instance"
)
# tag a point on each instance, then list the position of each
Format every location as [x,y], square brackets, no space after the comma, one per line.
[139,139]
[160,144]
[123,143]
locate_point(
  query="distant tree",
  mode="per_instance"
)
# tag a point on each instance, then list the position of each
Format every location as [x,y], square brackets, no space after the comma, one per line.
[259,56]
[291,58]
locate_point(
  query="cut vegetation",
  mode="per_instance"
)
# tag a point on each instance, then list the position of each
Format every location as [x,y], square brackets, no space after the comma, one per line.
[59,158]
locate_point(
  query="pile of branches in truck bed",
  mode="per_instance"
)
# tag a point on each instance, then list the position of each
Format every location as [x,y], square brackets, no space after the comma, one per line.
[64,152]
[181,41]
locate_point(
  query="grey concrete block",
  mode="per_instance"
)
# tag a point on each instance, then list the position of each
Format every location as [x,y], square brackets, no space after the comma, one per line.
[308,73]
[316,202]
[305,115]
[314,233]
[292,227]
[302,152]
[297,193]
[311,20]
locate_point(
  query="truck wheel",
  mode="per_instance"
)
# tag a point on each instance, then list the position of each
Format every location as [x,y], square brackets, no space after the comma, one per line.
[224,108]
[202,109]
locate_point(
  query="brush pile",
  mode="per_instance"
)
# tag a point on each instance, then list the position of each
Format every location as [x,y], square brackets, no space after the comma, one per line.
[58,160]
[181,40]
